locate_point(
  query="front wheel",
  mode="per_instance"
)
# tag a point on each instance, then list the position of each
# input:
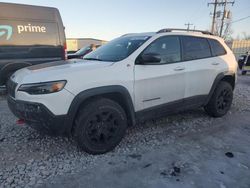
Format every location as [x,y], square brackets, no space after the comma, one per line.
[221,100]
[100,126]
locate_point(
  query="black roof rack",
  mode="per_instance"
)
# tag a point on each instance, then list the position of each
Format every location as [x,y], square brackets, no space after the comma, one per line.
[190,30]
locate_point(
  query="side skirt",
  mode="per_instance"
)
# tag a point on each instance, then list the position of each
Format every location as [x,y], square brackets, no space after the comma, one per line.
[171,108]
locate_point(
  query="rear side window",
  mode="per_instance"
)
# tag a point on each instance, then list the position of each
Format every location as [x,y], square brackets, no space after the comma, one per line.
[195,48]
[217,48]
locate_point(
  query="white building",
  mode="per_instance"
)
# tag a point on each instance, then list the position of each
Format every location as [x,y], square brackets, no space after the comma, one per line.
[74,44]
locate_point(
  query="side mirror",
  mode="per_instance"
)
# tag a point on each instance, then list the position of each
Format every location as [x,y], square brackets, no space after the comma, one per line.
[149,58]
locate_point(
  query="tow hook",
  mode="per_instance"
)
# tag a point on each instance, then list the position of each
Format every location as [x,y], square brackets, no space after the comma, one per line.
[20,122]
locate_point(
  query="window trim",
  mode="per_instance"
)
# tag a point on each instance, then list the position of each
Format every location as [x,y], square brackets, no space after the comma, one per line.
[212,51]
[211,54]
[157,64]
[115,61]
[180,37]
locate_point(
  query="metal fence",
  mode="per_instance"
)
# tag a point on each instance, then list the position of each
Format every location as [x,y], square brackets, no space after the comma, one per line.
[239,47]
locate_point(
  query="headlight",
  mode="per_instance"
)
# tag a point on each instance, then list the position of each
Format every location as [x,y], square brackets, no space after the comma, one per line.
[43,88]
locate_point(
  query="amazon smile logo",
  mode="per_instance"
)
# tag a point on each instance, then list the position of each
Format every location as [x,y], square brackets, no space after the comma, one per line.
[6,31]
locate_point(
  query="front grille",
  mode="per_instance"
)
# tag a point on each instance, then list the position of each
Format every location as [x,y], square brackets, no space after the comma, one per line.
[11,88]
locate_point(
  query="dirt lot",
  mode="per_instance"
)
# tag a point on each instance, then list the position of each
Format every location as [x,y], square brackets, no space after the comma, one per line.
[188,149]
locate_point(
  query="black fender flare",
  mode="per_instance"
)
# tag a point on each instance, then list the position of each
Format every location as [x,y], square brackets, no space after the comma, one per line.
[99,91]
[217,80]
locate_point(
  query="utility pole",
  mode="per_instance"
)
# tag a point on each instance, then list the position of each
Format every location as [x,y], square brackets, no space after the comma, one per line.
[215,4]
[188,25]
[224,15]
[223,18]
[214,14]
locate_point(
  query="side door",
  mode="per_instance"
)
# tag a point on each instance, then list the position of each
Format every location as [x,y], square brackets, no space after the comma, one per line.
[200,68]
[157,83]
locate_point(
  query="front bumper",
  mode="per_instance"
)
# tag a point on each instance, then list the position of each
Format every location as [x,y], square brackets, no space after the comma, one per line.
[39,117]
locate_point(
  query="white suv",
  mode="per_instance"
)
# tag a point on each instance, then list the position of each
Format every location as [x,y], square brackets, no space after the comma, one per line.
[131,78]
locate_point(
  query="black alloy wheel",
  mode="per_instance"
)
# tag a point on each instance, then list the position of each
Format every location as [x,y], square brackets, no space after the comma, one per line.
[224,100]
[220,101]
[100,126]
[103,127]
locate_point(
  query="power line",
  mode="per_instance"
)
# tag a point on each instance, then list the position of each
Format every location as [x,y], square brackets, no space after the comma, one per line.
[240,19]
[217,3]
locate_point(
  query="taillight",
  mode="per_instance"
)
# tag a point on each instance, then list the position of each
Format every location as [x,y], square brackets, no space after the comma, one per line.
[65,51]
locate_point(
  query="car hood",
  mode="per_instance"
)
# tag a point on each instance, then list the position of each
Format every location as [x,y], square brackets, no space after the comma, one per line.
[56,70]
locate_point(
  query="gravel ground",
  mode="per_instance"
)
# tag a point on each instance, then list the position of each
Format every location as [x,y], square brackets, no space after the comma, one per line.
[29,159]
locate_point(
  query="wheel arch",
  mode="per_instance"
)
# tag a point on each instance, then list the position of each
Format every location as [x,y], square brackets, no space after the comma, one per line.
[230,78]
[115,92]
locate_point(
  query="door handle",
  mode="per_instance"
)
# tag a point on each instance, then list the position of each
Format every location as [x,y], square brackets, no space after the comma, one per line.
[215,63]
[179,68]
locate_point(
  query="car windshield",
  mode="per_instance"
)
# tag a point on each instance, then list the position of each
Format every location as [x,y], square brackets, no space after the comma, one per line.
[117,49]
[83,50]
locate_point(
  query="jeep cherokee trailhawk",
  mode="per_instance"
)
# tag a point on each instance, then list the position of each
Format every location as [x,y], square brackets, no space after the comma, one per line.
[131,78]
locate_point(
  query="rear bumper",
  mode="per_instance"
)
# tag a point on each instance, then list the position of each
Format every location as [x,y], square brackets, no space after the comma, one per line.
[39,117]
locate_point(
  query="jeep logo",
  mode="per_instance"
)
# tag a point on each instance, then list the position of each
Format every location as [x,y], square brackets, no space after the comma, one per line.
[6,30]
[31,29]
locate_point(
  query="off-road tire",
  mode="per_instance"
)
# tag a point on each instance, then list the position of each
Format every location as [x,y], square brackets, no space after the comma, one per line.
[100,126]
[221,100]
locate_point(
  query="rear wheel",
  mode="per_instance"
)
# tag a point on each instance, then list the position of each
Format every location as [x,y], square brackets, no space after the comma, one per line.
[100,126]
[221,100]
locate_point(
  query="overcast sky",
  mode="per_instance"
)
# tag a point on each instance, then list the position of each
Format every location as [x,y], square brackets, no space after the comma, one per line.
[107,19]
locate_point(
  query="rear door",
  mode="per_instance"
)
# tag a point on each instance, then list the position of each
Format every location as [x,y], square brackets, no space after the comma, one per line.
[201,67]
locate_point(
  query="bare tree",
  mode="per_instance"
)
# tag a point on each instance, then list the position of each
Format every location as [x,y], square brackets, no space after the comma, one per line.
[245,36]
[227,33]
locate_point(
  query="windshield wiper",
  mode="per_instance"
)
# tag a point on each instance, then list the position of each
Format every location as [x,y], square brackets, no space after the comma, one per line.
[94,59]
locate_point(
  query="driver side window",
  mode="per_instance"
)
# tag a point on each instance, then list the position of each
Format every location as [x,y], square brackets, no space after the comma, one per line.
[167,48]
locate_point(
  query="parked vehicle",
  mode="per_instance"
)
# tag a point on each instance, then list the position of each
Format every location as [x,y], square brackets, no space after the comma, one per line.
[83,51]
[71,52]
[29,35]
[132,78]
[244,63]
